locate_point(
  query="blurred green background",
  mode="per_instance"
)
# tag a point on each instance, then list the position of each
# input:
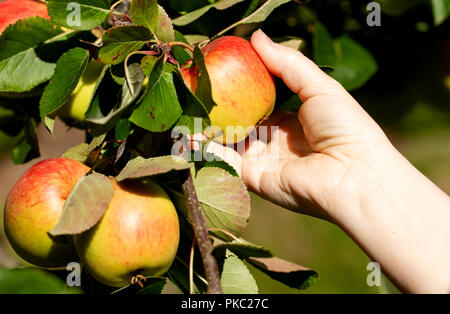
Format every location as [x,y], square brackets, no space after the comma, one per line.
[409,95]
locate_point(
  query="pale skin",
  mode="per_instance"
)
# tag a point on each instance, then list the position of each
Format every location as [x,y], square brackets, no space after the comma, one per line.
[334,162]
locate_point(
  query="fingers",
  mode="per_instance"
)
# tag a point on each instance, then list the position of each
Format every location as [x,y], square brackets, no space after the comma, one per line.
[298,72]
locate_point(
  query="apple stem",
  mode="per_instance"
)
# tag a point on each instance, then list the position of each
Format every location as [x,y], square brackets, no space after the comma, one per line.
[180,44]
[201,234]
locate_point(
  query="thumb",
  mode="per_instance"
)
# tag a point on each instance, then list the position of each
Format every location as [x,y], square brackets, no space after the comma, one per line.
[298,72]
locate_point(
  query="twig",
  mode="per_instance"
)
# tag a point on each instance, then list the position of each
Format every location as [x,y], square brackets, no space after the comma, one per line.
[191,268]
[201,234]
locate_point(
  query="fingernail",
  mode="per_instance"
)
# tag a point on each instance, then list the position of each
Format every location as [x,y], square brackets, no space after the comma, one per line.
[264,36]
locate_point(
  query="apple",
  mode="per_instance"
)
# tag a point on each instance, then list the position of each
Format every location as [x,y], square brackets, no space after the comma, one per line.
[81,98]
[13,10]
[137,235]
[34,206]
[242,87]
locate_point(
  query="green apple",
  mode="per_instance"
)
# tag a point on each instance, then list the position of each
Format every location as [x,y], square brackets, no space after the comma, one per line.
[242,87]
[34,206]
[84,92]
[138,235]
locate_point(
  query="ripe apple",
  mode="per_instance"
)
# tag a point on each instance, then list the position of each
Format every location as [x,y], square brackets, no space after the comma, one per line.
[242,87]
[13,10]
[137,235]
[84,92]
[34,206]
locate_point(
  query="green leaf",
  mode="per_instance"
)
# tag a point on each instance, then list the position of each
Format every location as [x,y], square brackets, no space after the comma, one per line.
[193,109]
[85,205]
[164,30]
[180,54]
[153,68]
[259,15]
[79,14]
[236,278]
[28,147]
[122,129]
[290,274]
[242,248]
[140,167]
[204,89]
[323,47]
[145,13]
[224,199]
[160,108]
[118,42]
[21,69]
[77,153]
[149,14]
[217,163]
[69,68]
[441,10]
[194,15]
[353,64]
[103,123]
[153,286]
[32,281]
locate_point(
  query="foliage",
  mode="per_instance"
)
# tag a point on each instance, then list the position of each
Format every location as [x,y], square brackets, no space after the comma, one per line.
[141,98]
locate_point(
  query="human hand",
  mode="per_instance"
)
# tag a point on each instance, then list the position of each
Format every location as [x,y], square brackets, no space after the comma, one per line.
[319,160]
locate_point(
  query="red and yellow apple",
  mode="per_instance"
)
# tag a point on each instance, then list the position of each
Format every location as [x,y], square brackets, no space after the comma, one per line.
[137,235]
[242,87]
[34,206]
[13,10]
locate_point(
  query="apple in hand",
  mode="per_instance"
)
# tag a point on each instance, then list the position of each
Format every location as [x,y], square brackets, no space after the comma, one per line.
[137,235]
[242,87]
[13,10]
[34,206]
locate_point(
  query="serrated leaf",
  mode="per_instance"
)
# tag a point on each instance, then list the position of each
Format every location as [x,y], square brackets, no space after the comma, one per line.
[69,68]
[204,89]
[259,15]
[85,205]
[21,69]
[140,167]
[290,274]
[149,14]
[145,13]
[236,278]
[353,64]
[164,30]
[79,14]
[160,108]
[222,165]
[224,199]
[118,42]
[194,15]
[32,281]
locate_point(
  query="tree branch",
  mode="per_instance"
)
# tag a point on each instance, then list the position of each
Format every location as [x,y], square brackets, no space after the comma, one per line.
[201,234]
